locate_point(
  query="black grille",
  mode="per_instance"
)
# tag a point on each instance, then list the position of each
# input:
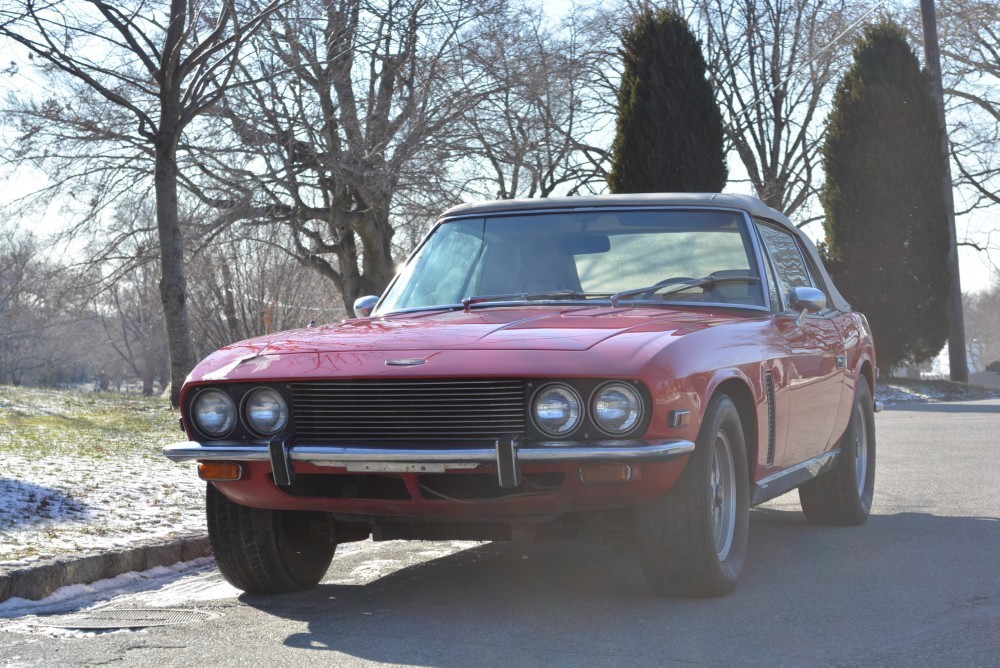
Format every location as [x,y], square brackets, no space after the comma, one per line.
[416,411]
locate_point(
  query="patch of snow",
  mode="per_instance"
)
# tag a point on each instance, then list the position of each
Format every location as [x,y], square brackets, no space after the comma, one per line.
[204,585]
[910,391]
[890,394]
[94,595]
[54,506]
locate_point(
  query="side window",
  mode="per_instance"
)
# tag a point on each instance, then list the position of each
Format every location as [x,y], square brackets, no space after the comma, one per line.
[791,267]
[772,287]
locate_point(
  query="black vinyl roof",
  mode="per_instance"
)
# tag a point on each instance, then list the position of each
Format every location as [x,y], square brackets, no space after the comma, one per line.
[752,205]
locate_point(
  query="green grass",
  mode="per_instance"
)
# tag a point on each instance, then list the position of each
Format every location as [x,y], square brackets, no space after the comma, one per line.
[50,422]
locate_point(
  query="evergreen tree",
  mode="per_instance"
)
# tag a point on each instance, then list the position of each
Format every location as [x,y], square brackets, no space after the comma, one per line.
[886,222]
[669,132]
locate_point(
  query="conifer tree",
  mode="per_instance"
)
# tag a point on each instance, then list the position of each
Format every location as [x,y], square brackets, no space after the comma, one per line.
[886,222]
[669,134]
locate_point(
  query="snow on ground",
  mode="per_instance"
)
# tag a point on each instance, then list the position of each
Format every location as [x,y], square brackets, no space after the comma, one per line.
[890,394]
[198,584]
[82,473]
[139,585]
[59,506]
[182,584]
[900,391]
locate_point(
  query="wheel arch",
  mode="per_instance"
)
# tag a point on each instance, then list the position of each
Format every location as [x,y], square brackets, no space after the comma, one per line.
[739,391]
[867,372]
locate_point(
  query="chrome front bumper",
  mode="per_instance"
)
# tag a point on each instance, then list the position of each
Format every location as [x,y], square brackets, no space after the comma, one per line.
[507,455]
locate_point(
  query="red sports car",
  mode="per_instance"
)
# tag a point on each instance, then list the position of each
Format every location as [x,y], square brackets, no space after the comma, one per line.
[637,367]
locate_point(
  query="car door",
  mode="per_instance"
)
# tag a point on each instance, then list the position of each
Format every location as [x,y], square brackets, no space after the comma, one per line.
[810,377]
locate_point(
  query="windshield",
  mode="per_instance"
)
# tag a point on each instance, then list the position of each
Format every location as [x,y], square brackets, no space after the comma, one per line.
[582,255]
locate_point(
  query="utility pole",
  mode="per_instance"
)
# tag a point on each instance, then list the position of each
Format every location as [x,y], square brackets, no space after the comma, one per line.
[956,321]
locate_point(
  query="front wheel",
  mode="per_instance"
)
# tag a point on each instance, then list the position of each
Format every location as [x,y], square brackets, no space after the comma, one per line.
[693,541]
[843,495]
[267,551]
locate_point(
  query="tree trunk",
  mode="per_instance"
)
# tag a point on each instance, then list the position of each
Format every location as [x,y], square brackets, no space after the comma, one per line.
[236,332]
[173,284]
[147,382]
[378,266]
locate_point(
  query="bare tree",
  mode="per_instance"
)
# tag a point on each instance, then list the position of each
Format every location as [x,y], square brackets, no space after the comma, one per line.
[773,63]
[131,314]
[249,287]
[46,335]
[970,52]
[357,102]
[21,317]
[969,41]
[982,326]
[153,66]
[535,135]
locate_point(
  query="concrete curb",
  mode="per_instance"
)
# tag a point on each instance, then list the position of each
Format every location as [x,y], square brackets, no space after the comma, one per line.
[37,582]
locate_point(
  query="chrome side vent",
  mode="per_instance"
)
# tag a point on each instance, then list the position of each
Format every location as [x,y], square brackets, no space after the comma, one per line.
[769,389]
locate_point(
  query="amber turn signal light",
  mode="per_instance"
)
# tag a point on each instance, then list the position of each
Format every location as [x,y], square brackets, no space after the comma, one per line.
[605,473]
[219,471]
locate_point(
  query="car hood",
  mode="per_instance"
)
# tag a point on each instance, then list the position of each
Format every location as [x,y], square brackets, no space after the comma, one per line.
[535,329]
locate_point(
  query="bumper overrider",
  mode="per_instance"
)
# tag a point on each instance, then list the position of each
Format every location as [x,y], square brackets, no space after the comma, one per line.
[507,455]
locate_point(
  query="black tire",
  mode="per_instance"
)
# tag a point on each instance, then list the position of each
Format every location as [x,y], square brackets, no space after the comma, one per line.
[693,541]
[267,551]
[843,495]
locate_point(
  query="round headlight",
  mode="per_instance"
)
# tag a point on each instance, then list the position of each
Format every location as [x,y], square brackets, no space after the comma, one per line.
[214,412]
[617,408]
[267,412]
[557,409]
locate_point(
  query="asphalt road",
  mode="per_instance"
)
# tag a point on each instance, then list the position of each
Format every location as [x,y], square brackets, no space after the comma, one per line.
[918,585]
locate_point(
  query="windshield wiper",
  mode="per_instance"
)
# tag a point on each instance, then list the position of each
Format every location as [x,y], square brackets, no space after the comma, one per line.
[517,297]
[707,282]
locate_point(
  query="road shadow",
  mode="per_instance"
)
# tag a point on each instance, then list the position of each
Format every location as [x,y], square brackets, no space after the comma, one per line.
[24,504]
[587,604]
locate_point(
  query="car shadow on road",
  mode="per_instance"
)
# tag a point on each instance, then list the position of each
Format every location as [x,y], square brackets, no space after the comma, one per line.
[23,504]
[587,604]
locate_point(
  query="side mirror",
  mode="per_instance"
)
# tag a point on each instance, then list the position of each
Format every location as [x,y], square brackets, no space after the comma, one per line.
[363,306]
[809,300]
